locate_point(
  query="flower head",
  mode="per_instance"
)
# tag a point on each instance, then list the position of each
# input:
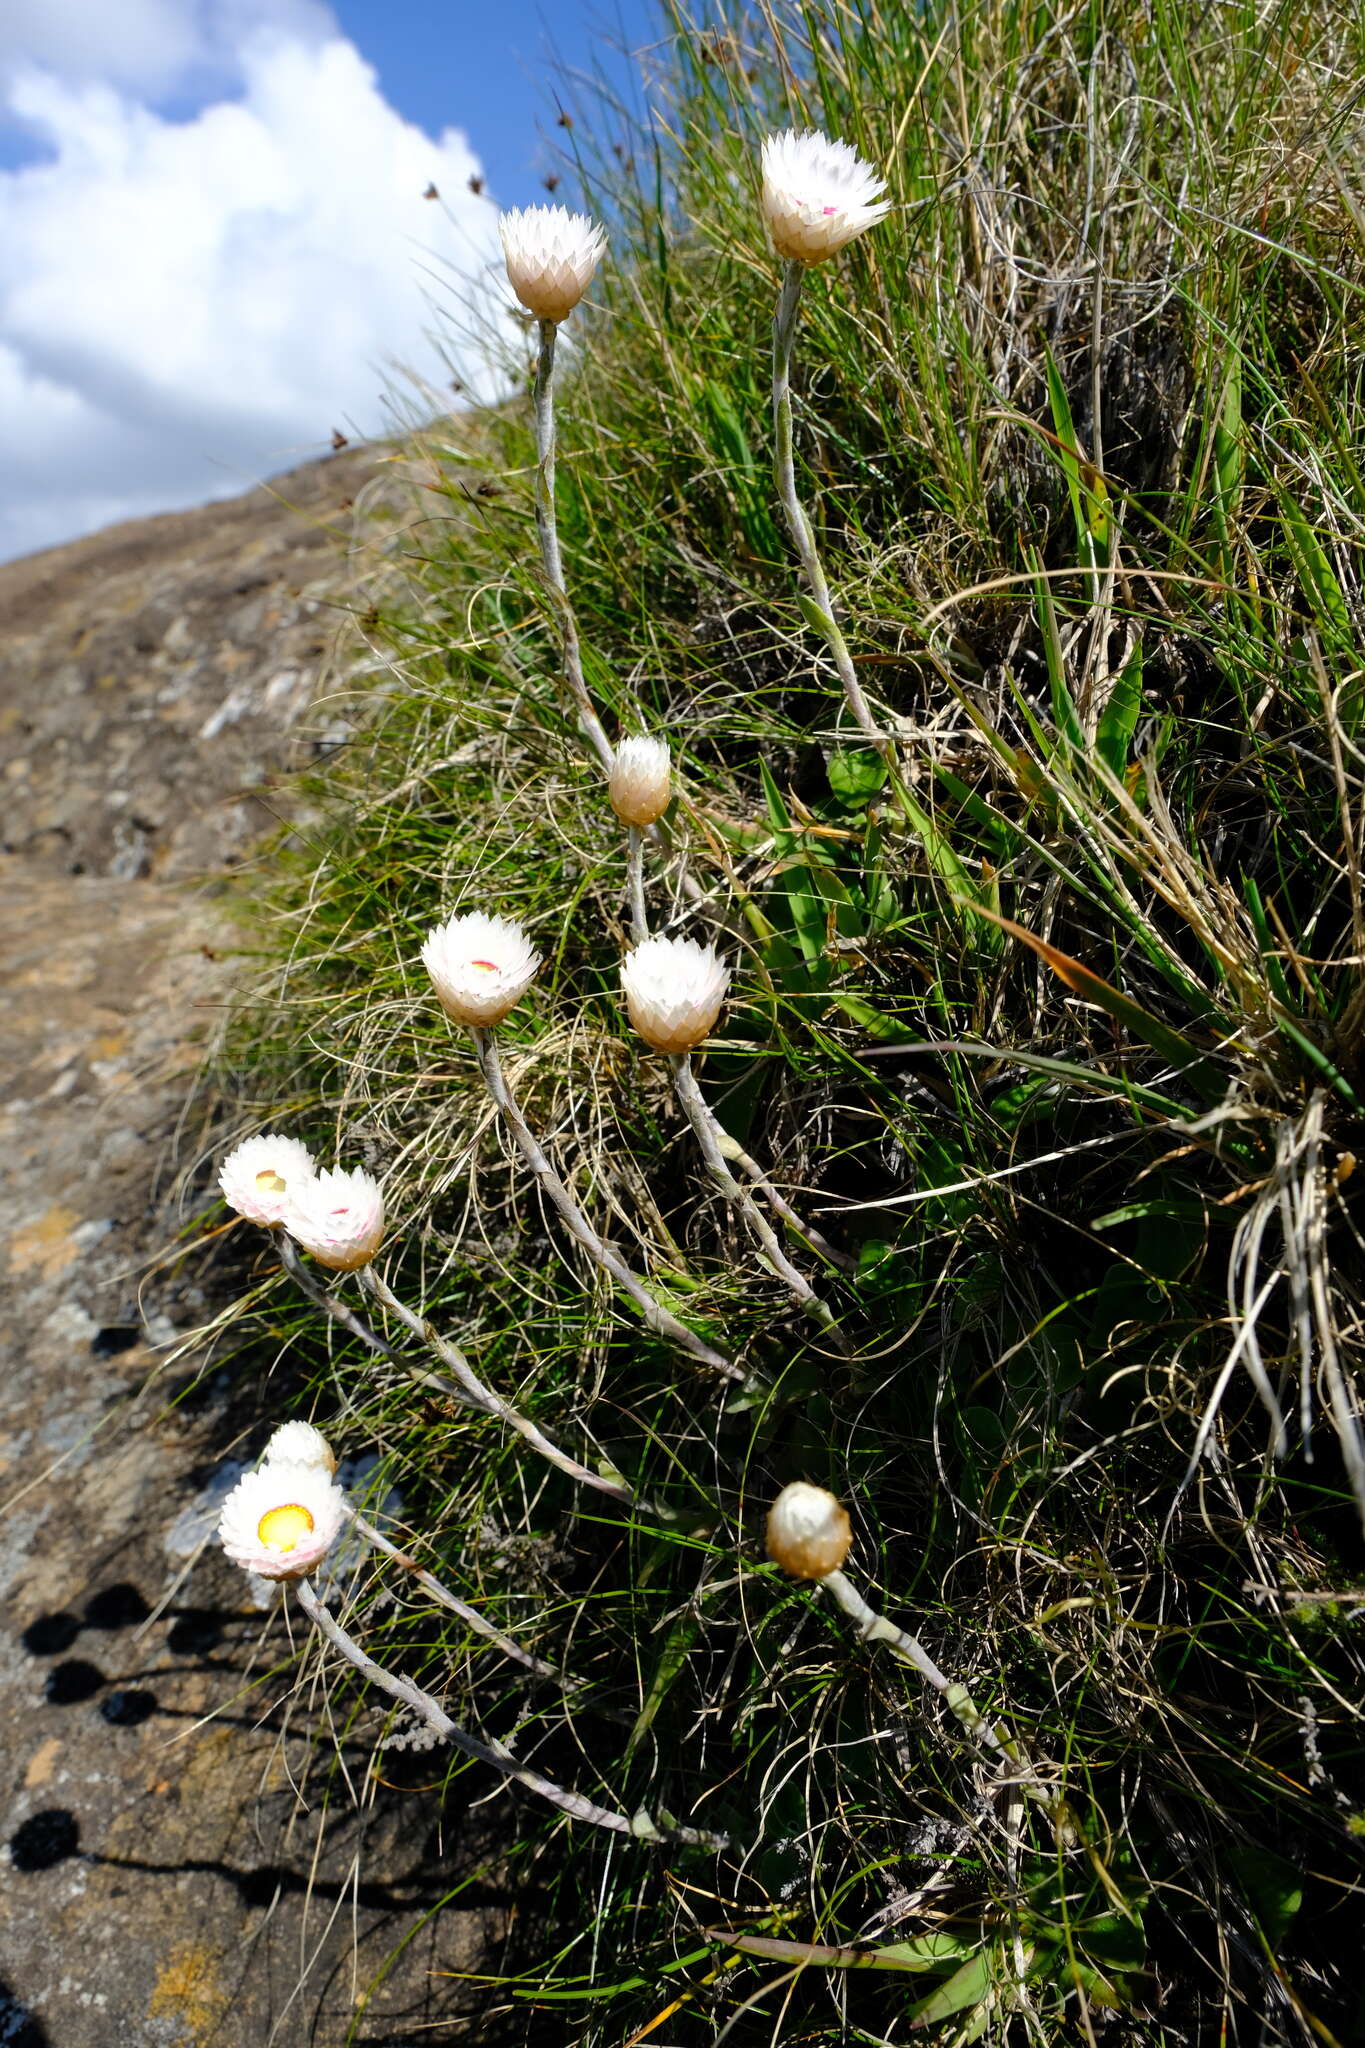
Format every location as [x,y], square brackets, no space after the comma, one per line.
[817,194]
[480,967]
[259,1177]
[551,255]
[339,1218]
[641,781]
[674,989]
[808,1531]
[282,1520]
[298,1443]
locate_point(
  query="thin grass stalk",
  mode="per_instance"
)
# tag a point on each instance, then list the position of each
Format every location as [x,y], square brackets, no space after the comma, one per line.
[642,1826]
[493,1404]
[605,1255]
[698,1115]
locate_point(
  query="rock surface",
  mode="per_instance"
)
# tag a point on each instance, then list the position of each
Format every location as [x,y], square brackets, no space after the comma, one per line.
[161,1881]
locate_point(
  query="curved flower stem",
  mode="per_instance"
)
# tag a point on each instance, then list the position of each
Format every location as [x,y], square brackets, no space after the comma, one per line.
[551,561]
[875,1628]
[484,1397]
[358,1327]
[732,1150]
[606,1256]
[635,877]
[642,1826]
[819,611]
[469,1615]
[694,1104]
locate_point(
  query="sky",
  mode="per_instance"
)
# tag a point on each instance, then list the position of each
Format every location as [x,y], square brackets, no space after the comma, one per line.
[215,244]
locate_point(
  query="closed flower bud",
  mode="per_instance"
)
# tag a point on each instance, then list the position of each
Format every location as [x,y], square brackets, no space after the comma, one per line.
[480,967]
[551,255]
[674,989]
[817,194]
[298,1443]
[808,1531]
[339,1218]
[282,1520]
[641,781]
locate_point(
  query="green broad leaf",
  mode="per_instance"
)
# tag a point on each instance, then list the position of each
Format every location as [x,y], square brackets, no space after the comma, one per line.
[855,775]
[929,1952]
[779,817]
[1118,721]
[1086,488]
[864,1013]
[967,1987]
[674,1657]
[1317,578]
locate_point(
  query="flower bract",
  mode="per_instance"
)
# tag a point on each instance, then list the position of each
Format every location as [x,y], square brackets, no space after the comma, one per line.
[674,989]
[480,967]
[641,781]
[817,194]
[339,1218]
[260,1175]
[281,1520]
[551,255]
[298,1443]
[808,1531]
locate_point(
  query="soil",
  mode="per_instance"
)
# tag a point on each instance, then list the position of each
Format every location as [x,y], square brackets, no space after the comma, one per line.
[162,1880]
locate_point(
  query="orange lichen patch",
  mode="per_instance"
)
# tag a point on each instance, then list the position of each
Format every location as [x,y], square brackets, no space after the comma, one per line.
[40,1764]
[270,1182]
[284,1527]
[188,1989]
[47,1243]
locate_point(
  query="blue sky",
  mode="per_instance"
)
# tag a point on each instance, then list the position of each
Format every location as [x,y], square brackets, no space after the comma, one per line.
[489,66]
[214,242]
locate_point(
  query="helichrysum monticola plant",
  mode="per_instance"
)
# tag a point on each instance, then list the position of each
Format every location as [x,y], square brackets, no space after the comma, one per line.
[674,990]
[339,1218]
[281,1520]
[260,1176]
[818,195]
[480,966]
[551,255]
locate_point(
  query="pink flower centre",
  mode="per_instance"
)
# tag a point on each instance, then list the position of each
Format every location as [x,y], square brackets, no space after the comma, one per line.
[488,966]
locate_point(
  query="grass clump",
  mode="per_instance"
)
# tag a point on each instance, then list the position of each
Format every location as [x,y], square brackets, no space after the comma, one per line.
[1068,1067]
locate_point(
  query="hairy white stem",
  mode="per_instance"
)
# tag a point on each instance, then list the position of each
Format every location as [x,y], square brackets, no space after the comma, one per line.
[635,876]
[605,1255]
[818,609]
[642,1826]
[694,1106]
[493,1404]
[551,561]
[358,1327]
[875,1628]
[469,1615]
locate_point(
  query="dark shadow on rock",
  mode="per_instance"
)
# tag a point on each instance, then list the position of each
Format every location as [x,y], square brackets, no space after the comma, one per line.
[69,1683]
[195,1632]
[120,1606]
[18,2026]
[50,1634]
[417,1891]
[43,1840]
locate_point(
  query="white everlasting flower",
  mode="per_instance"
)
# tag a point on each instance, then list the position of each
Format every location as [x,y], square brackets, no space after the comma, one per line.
[282,1520]
[339,1218]
[480,967]
[808,1531]
[817,194]
[674,989]
[641,781]
[258,1178]
[298,1443]
[551,255]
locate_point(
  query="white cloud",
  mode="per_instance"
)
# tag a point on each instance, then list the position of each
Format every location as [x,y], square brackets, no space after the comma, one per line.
[188,305]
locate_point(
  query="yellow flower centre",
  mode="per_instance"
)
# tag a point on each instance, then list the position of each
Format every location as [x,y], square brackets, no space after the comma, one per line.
[270,1182]
[283,1528]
